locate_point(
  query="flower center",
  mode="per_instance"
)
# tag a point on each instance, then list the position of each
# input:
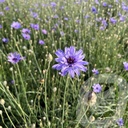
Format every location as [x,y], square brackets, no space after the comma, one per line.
[71,60]
[14,59]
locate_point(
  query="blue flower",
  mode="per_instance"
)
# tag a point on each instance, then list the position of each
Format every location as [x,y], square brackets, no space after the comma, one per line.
[94,10]
[26,36]
[26,31]
[97,88]
[95,71]
[5,40]
[41,42]
[14,57]
[113,20]
[120,122]
[70,61]
[125,65]
[16,25]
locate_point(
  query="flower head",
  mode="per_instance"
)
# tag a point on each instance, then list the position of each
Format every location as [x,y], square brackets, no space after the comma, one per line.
[16,25]
[26,31]
[14,57]
[125,65]
[95,71]
[35,26]
[44,31]
[5,40]
[41,42]
[97,88]
[94,10]
[70,61]
[120,122]
[113,20]
[26,36]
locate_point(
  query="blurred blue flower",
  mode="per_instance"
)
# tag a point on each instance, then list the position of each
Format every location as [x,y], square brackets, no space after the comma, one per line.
[97,2]
[0,26]
[120,122]
[26,31]
[95,71]
[122,18]
[125,65]
[34,26]
[104,4]
[14,57]
[70,61]
[2,1]
[5,40]
[113,20]
[44,31]
[16,25]
[53,4]
[97,88]
[94,10]
[26,36]
[41,42]
[7,8]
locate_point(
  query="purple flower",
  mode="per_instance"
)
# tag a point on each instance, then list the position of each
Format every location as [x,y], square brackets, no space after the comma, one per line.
[95,71]
[122,18]
[97,88]
[94,10]
[0,26]
[35,26]
[104,23]
[7,8]
[120,122]
[62,33]
[113,20]
[66,18]
[16,25]
[34,14]
[14,57]
[26,36]
[2,13]
[41,42]
[70,61]
[125,65]
[97,2]
[26,31]
[44,31]
[104,4]
[2,1]
[53,4]
[5,40]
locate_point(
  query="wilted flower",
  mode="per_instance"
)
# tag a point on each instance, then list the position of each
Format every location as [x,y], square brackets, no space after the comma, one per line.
[14,57]
[125,65]
[41,42]
[120,122]
[16,25]
[70,61]
[97,88]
